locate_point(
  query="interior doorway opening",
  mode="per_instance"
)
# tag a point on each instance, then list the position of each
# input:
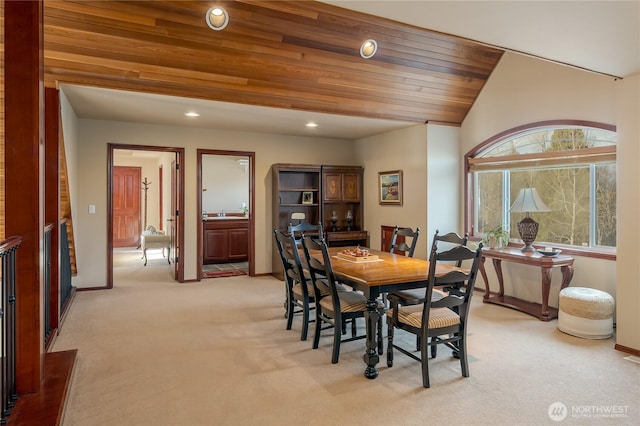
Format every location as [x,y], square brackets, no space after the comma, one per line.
[145,192]
[226,224]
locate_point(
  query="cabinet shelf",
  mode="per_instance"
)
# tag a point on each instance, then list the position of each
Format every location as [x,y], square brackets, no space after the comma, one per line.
[299,189]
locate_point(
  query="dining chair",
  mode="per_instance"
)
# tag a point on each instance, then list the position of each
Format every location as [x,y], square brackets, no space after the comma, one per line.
[444,320]
[416,296]
[299,291]
[407,248]
[339,306]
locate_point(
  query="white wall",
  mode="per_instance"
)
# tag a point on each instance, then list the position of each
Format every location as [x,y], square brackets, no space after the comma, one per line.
[444,171]
[628,285]
[93,137]
[404,150]
[523,90]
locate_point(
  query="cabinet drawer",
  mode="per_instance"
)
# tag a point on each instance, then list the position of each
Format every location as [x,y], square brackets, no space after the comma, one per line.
[347,235]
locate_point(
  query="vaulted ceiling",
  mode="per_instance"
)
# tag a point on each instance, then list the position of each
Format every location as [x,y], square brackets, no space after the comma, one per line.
[298,55]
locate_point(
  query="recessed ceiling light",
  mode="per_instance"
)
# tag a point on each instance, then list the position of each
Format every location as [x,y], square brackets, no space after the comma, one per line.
[368,48]
[192,114]
[217,18]
[312,124]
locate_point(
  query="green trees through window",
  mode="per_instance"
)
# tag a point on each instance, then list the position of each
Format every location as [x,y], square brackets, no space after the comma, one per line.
[573,169]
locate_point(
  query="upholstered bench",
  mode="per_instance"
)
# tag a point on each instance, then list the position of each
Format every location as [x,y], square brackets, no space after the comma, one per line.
[586,312]
[155,240]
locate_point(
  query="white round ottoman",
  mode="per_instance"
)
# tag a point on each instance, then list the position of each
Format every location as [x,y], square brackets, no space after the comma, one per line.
[586,312]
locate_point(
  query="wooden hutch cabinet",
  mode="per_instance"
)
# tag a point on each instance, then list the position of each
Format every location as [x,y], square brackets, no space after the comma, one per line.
[342,216]
[318,191]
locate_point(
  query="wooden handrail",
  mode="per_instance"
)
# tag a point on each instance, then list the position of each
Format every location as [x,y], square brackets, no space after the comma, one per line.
[9,244]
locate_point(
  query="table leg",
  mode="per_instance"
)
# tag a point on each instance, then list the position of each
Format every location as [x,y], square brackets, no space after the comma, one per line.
[497,265]
[484,277]
[567,274]
[546,287]
[371,358]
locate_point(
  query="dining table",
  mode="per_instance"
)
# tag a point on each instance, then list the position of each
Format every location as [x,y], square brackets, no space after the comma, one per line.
[382,273]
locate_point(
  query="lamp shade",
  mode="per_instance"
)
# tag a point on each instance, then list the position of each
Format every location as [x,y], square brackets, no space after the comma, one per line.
[528,201]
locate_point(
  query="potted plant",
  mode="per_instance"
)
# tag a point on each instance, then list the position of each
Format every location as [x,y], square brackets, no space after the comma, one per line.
[496,237]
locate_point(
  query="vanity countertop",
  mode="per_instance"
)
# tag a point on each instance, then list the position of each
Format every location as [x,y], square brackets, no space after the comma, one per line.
[209,218]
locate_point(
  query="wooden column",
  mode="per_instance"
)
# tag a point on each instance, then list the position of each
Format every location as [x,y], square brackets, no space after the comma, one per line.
[24,178]
[52,196]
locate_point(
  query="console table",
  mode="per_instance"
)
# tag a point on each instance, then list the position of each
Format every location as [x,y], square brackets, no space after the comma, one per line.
[545,263]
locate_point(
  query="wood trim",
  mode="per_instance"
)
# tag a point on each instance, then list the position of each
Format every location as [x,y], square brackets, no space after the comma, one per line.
[581,156]
[24,179]
[627,349]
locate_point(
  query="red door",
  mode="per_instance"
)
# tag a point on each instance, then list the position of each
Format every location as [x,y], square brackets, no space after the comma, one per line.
[126,206]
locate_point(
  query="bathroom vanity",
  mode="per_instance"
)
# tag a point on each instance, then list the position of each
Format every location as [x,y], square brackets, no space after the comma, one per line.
[225,240]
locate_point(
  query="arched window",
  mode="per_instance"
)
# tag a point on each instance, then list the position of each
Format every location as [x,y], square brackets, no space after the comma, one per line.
[571,164]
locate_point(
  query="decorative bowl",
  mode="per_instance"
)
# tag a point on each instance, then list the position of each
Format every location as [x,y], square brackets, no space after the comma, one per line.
[547,253]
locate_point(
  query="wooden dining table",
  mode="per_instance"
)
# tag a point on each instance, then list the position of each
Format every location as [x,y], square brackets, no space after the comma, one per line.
[386,274]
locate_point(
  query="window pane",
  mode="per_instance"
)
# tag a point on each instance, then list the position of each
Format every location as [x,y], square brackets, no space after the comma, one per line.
[489,201]
[566,192]
[606,205]
[552,139]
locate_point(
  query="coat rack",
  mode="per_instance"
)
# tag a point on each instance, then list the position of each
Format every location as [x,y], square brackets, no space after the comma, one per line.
[145,188]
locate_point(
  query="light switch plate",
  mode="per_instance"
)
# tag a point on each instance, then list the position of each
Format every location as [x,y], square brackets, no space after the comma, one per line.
[92,209]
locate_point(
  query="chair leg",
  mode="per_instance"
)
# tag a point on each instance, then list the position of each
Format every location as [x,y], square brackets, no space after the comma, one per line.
[462,353]
[316,336]
[305,321]
[418,343]
[424,360]
[434,346]
[336,345]
[389,344]
[289,313]
[354,327]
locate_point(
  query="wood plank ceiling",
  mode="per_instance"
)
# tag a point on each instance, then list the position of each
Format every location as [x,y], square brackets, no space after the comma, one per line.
[300,55]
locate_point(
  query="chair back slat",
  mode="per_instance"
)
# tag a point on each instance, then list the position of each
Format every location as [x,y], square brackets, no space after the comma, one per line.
[451,239]
[408,248]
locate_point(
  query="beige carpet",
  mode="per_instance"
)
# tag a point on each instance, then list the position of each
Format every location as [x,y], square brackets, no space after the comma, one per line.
[154,352]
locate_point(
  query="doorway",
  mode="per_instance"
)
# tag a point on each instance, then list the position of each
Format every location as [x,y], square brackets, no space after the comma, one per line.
[226,226]
[151,161]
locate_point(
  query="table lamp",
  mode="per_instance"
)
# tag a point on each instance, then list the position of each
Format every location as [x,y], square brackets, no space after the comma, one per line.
[526,202]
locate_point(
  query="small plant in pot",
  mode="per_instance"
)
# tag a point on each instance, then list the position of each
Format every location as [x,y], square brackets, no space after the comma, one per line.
[496,237]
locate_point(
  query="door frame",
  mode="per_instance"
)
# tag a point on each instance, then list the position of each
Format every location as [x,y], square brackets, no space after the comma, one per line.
[252,199]
[179,152]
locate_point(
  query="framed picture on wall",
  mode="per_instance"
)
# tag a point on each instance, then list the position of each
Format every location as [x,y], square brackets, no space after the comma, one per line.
[390,187]
[307,197]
